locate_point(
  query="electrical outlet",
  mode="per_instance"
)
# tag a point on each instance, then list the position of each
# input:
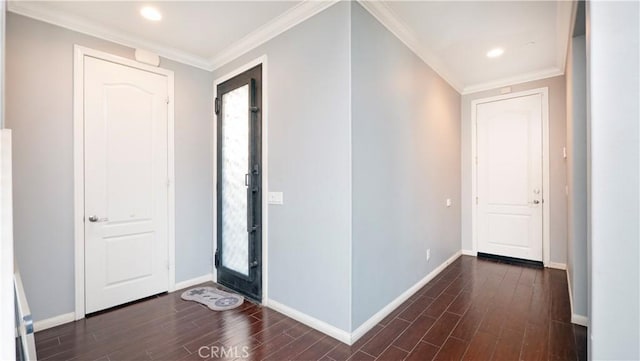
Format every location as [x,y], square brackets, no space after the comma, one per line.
[428,254]
[275,198]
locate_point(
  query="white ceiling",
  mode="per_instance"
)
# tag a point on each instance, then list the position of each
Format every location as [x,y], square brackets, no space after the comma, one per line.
[453,36]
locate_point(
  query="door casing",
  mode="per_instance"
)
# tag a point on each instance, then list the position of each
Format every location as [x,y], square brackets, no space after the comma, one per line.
[265,168]
[80,53]
[544,92]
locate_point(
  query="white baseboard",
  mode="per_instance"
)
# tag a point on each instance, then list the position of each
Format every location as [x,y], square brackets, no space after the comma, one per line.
[54,321]
[466,252]
[384,312]
[579,320]
[194,281]
[338,334]
[555,265]
[70,317]
[575,318]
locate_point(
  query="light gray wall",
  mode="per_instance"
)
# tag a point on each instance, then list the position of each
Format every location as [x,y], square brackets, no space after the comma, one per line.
[39,111]
[406,162]
[613,49]
[557,172]
[3,6]
[309,160]
[576,83]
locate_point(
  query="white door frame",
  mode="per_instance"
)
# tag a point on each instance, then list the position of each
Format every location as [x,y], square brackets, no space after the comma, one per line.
[544,92]
[78,163]
[265,168]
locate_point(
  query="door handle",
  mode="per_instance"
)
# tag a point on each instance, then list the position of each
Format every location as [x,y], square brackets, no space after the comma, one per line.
[535,201]
[95,218]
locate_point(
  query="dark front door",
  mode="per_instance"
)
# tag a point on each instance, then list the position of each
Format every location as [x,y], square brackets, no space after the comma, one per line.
[239,183]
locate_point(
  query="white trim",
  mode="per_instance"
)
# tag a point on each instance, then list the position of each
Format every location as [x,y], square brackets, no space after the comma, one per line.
[54,321]
[383,13]
[579,320]
[386,16]
[194,281]
[335,332]
[270,30]
[565,15]
[544,92]
[569,289]
[78,160]
[466,252]
[265,167]
[35,10]
[386,310]
[350,179]
[171,171]
[257,37]
[7,306]
[3,31]
[523,78]
[575,318]
[556,265]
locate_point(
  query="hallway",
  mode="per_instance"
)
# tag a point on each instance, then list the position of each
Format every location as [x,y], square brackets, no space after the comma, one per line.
[475,309]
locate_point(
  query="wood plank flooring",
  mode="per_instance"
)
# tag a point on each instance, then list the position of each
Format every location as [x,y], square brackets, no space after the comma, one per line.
[474,310]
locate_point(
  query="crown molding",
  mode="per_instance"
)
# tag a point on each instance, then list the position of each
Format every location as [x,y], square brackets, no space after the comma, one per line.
[537,75]
[273,28]
[565,17]
[270,30]
[391,21]
[33,10]
[292,17]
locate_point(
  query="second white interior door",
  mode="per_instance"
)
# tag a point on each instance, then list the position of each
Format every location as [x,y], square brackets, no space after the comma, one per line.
[509,177]
[126,184]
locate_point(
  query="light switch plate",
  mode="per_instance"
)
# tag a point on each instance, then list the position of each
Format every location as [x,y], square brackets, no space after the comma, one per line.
[275,198]
[448,202]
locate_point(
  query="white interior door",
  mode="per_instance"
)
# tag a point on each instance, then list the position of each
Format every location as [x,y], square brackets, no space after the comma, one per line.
[509,177]
[126,184]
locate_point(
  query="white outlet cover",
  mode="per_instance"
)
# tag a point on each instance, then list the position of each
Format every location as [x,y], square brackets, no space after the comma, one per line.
[275,198]
[448,202]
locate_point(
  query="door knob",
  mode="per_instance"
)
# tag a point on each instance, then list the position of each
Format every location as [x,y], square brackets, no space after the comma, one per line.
[95,218]
[535,201]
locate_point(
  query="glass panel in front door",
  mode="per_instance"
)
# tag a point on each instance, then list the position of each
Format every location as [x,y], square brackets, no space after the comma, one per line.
[235,165]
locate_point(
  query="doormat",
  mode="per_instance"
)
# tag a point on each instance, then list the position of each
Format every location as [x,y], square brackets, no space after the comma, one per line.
[213,298]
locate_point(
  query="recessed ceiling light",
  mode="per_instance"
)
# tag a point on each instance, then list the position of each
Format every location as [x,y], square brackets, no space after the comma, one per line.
[150,13]
[494,53]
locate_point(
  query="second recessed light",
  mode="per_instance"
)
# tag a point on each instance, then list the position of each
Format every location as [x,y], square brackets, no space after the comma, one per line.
[150,13]
[494,53]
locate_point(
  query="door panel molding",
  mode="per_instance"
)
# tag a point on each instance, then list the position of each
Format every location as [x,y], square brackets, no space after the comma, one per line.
[262,60]
[80,53]
[544,93]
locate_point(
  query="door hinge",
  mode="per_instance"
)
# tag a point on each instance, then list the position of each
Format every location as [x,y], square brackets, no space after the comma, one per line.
[476,200]
[168,182]
[216,259]
[476,160]
[167,100]
[217,105]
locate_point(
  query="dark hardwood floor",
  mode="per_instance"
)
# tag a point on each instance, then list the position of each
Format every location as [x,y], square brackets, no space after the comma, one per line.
[474,310]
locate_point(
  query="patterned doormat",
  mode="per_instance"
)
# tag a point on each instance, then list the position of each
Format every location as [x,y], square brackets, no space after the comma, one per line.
[213,298]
